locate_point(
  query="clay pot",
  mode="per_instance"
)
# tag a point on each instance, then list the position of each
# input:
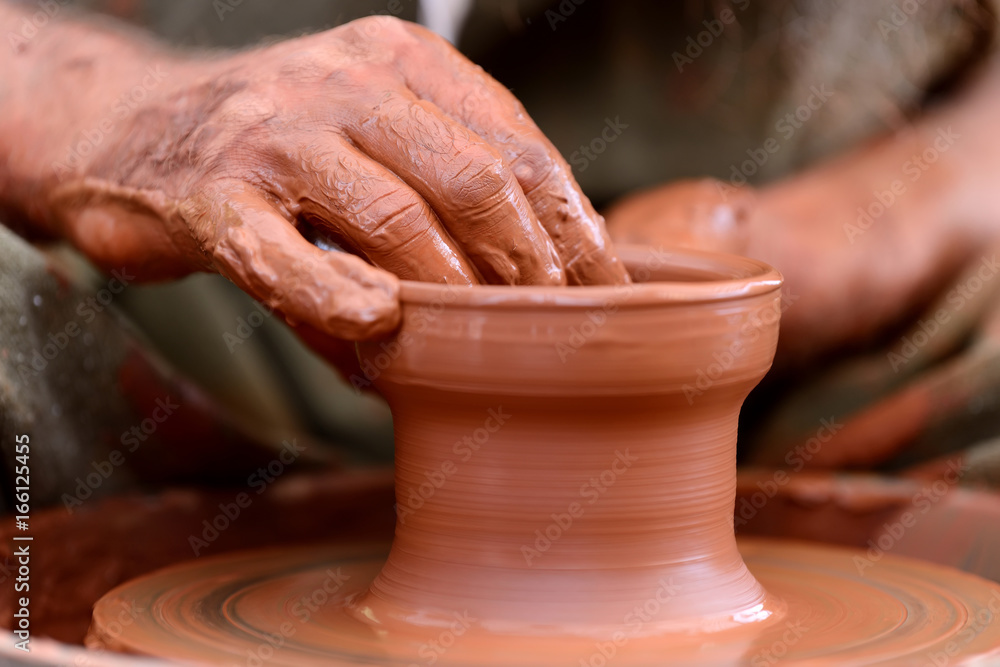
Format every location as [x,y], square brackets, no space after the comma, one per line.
[565,483]
[557,467]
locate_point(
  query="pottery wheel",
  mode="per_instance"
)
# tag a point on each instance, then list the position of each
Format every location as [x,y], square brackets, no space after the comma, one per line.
[288,608]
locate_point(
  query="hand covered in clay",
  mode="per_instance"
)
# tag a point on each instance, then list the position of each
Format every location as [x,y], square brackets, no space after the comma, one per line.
[703,214]
[377,137]
[905,294]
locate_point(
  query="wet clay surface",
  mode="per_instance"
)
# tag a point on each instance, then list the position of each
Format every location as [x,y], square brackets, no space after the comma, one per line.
[564,489]
[294,608]
[544,439]
[122,538]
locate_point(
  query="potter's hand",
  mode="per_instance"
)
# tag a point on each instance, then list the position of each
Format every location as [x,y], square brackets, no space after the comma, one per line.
[377,135]
[704,214]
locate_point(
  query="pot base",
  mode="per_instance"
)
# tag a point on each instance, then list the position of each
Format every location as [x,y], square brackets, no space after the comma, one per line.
[292,607]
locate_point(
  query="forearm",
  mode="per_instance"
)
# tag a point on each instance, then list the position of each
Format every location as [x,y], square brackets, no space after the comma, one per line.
[865,239]
[64,83]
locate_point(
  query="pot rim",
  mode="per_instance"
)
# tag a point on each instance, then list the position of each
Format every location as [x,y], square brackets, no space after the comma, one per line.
[730,277]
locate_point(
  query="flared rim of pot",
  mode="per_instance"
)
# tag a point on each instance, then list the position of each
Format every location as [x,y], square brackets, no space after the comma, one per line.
[660,275]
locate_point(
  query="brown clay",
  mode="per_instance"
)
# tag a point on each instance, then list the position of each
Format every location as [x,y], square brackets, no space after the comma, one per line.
[565,480]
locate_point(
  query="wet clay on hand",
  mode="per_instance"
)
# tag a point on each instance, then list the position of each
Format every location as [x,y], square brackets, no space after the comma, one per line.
[377,137]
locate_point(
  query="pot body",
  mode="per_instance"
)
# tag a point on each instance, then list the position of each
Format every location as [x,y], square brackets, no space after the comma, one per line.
[565,457]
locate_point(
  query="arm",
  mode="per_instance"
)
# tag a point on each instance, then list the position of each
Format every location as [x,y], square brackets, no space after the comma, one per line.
[853,265]
[376,135]
[64,86]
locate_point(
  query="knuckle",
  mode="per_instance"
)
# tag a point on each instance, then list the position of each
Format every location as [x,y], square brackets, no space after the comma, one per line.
[478,173]
[358,76]
[533,167]
[478,100]
[378,27]
[395,220]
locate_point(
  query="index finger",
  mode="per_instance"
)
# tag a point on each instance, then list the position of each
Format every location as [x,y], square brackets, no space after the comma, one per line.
[465,92]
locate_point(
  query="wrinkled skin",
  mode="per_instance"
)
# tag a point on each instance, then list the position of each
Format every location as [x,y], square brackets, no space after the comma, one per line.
[377,136]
